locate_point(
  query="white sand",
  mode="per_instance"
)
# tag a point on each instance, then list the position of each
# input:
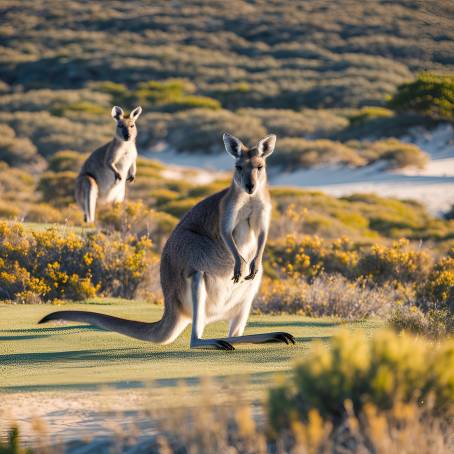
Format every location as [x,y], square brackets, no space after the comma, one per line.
[433,186]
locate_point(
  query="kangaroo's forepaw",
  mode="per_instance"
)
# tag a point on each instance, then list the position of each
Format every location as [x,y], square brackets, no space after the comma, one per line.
[251,275]
[117,177]
[131,179]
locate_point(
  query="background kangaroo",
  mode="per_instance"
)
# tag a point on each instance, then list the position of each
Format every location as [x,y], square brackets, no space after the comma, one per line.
[211,265]
[104,174]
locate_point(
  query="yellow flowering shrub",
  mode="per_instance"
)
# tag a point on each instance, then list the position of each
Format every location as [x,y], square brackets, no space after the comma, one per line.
[398,263]
[438,290]
[54,264]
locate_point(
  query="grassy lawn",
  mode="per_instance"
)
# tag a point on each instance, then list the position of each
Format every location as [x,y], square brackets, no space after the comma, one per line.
[75,356]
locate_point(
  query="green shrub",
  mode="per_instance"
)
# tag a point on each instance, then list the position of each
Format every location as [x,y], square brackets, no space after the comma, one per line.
[58,188]
[430,94]
[161,196]
[178,208]
[385,371]
[66,161]
[80,107]
[43,213]
[367,113]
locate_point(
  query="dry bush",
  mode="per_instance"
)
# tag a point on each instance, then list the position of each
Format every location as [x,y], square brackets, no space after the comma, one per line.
[201,130]
[307,122]
[18,151]
[387,394]
[396,154]
[43,213]
[326,296]
[295,153]
[385,373]
[135,218]
[433,323]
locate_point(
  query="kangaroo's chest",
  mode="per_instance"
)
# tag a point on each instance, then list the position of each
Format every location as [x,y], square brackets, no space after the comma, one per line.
[127,156]
[246,229]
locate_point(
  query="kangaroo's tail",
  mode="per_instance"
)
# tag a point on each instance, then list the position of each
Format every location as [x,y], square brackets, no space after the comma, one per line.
[163,331]
[86,195]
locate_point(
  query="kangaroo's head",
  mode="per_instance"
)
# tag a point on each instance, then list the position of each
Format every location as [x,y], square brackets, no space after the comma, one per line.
[250,163]
[126,124]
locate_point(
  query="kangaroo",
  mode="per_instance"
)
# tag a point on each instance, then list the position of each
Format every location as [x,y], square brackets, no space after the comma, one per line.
[224,233]
[104,174]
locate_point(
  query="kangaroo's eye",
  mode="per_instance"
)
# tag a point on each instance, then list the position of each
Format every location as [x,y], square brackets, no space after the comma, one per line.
[131,126]
[238,167]
[260,167]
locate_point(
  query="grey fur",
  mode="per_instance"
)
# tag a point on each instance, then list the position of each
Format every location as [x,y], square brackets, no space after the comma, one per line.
[104,174]
[211,265]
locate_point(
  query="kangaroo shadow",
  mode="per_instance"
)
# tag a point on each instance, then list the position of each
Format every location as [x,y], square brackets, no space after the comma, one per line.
[54,329]
[301,324]
[252,353]
[23,337]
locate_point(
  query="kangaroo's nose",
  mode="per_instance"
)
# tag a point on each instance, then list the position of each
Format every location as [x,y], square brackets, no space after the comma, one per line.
[249,187]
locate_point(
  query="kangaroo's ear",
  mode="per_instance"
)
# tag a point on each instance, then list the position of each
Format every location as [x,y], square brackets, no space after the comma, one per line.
[232,145]
[134,115]
[117,113]
[266,145]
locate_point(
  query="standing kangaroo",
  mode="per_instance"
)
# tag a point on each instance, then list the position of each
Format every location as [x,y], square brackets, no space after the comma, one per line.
[104,174]
[223,233]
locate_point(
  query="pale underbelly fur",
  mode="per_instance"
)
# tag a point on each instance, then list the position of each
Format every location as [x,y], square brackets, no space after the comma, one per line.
[111,190]
[224,297]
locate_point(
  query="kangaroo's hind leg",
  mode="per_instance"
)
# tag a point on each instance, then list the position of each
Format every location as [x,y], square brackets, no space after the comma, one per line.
[199,297]
[87,194]
[239,321]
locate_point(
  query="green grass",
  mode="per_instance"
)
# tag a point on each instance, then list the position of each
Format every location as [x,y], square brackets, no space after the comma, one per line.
[75,356]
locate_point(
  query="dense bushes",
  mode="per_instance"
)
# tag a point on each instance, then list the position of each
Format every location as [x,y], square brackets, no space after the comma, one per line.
[387,372]
[281,55]
[56,264]
[430,94]
[311,256]
[353,281]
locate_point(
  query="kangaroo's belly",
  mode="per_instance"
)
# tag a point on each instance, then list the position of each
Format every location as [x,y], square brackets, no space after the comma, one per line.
[109,189]
[225,298]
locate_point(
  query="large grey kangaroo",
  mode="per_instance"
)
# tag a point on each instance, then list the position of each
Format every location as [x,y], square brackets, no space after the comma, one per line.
[211,265]
[104,174]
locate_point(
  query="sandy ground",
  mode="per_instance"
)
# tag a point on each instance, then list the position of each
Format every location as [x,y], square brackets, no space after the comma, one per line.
[432,186]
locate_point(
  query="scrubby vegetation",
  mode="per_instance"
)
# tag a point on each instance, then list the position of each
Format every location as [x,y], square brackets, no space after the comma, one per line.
[430,94]
[316,74]
[354,394]
[324,92]
[52,265]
